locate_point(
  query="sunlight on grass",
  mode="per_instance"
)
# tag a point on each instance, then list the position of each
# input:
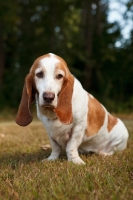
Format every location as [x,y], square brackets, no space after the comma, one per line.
[23,176]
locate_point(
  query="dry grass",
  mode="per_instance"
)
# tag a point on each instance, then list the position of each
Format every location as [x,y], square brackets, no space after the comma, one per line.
[23,176]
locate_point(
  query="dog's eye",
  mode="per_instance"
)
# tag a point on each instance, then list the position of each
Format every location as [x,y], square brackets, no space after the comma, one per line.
[59,76]
[39,74]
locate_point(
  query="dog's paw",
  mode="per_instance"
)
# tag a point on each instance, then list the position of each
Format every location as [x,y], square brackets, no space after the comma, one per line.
[50,158]
[77,160]
[105,154]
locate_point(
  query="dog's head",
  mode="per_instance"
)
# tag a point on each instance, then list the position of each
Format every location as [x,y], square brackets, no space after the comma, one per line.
[52,83]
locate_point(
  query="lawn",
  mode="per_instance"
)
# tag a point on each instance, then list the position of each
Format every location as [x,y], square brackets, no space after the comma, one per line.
[23,175]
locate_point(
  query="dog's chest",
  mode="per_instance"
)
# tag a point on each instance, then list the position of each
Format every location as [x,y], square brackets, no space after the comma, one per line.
[59,132]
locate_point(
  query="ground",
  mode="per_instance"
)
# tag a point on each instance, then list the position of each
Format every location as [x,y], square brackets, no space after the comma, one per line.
[23,175]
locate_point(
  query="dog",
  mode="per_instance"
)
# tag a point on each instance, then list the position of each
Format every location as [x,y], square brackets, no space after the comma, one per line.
[72,117]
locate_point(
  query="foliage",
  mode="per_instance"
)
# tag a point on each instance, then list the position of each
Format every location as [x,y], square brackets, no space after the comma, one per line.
[23,176]
[76,30]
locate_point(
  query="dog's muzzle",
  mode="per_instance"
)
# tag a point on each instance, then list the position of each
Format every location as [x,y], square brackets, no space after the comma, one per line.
[48,97]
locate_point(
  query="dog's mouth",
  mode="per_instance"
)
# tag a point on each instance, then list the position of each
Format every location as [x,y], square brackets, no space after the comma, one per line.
[48,106]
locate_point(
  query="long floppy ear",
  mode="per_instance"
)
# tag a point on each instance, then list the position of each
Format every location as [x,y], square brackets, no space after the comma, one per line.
[24,116]
[64,107]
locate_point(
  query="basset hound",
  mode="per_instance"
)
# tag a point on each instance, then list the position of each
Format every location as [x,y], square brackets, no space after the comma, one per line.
[73,118]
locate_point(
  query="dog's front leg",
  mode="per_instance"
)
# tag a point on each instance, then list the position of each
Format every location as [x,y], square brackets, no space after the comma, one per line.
[56,149]
[74,143]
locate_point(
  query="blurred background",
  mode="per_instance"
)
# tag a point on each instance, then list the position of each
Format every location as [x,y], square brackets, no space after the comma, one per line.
[95,37]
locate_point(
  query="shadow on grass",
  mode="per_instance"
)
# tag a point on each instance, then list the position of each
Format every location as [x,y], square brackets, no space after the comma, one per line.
[17,158]
[23,158]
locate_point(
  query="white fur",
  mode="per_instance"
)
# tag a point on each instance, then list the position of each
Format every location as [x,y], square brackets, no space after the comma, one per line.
[72,137]
[48,83]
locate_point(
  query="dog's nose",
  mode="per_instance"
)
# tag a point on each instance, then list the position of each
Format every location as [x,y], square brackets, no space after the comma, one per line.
[48,97]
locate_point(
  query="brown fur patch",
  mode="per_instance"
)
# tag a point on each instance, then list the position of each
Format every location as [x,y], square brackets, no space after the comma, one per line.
[96,116]
[64,107]
[112,121]
[24,116]
[36,63]
[60,66]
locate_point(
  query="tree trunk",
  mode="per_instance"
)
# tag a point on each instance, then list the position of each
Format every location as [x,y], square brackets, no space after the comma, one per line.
[91,22]
[87,23]
[2,62]
[98,18]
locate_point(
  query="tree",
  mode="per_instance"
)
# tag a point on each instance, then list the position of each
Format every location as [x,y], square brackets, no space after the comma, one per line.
[76,30]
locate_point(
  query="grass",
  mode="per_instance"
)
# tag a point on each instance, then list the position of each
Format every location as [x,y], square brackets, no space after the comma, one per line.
[24,177]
